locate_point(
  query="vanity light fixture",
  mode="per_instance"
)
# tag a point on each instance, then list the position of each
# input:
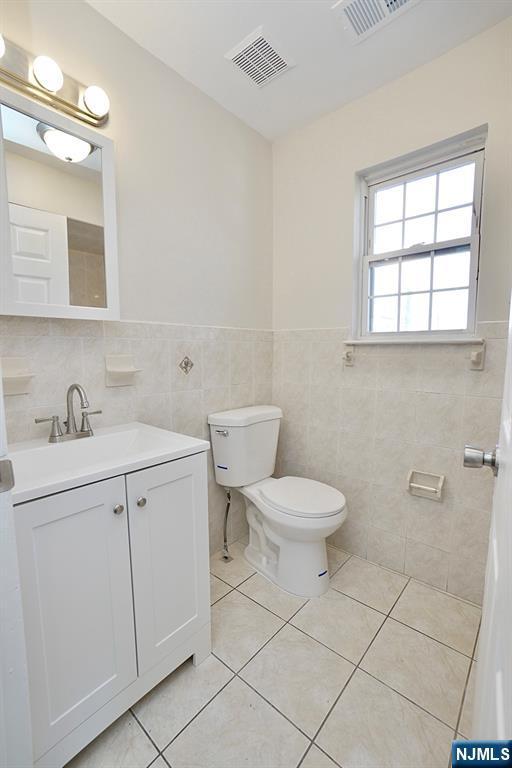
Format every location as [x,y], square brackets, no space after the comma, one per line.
[63,145]
[41,78]
[96,101]
[48,73]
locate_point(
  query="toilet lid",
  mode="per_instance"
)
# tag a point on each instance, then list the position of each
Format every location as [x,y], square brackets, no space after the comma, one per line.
[302,497]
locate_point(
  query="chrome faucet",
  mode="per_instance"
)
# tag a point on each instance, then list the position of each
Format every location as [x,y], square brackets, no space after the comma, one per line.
[70,415]
[72,433]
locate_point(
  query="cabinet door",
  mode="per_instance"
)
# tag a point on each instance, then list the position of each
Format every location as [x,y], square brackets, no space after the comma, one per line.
[77,602]
[169,545]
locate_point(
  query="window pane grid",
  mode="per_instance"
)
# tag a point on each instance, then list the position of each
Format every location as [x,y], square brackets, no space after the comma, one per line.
[422,243]
[420,218]
[413,310]
[434,211]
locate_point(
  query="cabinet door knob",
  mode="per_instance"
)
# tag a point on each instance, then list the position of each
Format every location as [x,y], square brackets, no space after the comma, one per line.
[118,509]
[141,501]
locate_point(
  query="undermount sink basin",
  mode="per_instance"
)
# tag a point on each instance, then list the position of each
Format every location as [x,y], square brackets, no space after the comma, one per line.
[41,468]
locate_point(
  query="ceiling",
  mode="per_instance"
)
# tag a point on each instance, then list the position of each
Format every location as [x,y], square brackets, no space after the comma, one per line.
[193,36]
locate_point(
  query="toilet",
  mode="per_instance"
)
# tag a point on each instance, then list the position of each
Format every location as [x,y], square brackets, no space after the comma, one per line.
[289,517]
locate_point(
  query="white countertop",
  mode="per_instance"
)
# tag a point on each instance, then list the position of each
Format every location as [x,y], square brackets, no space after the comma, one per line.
[42,468]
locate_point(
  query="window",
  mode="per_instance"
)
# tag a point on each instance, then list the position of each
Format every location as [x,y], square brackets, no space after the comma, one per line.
[421,242]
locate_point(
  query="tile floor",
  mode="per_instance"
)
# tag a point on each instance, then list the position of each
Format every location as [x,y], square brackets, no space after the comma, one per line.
[377,673]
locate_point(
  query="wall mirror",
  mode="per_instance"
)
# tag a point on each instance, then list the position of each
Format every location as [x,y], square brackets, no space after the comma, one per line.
[57,198]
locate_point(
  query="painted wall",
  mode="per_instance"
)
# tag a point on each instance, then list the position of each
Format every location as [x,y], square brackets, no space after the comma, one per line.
[193,182]
[39,185]
[315,167]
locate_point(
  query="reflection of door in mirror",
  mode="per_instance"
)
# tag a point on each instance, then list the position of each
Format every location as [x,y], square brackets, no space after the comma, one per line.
[54,189]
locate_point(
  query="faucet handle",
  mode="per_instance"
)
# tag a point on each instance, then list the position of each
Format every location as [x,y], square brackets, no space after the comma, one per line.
[86,427]
[56,430]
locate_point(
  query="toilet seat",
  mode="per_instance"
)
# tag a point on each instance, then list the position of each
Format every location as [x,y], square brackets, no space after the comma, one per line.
[301,497]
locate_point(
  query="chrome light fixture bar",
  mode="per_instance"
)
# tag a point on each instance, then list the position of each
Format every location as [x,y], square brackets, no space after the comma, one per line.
[35,76]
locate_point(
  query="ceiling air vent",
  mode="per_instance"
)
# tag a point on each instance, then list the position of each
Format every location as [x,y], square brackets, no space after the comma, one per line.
[258,58]
[361,18]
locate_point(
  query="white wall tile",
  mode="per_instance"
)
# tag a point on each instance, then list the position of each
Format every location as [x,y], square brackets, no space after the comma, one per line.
[355,455]
[489,381]
[388,508]
[426,564]
[481,423]
[357,410]
[386,549]
[395,415]
[429,522]
[348,426]
[216,364]
[398,372]
[178,351]
[324,406]
[466,578]
[351,537]
[399,408]
[241,362]
[439,420]
[357,496]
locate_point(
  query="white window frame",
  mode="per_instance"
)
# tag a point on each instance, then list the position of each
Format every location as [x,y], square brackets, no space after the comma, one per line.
[376,179]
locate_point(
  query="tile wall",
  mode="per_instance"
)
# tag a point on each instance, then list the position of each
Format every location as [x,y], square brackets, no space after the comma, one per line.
[362,429]
[232,368]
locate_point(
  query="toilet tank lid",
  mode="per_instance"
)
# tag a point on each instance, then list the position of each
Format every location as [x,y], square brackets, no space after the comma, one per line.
[242,417]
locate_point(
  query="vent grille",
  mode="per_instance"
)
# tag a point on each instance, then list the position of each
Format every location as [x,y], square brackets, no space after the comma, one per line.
[257,58]
[362,18]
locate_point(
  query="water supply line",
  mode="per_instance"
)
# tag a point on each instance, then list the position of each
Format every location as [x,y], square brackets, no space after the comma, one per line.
[225,551]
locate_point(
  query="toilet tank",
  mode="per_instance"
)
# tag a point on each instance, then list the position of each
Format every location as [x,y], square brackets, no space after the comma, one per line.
[244,444]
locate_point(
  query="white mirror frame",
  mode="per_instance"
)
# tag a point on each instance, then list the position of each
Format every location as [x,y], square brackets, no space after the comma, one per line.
[45,115]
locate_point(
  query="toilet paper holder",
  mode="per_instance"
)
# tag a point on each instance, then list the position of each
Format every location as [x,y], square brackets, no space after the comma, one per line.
[425,484]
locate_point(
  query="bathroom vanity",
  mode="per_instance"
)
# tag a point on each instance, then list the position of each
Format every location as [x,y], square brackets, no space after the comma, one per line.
[112,538]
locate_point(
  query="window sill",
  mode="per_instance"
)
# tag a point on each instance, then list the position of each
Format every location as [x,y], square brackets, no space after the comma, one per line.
[466,340]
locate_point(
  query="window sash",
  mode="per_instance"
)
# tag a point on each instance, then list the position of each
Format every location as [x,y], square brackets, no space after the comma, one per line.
[472,241]
[429,291]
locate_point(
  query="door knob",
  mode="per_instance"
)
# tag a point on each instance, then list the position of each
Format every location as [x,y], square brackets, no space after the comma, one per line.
[118,509]
[141,501]
[474,458]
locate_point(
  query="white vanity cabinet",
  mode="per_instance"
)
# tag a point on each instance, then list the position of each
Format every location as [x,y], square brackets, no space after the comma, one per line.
[169,556]
[115,590]
[74,560]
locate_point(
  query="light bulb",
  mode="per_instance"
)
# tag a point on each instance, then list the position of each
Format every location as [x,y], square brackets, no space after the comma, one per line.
[48,73]
[2,46]
[68,148]
[96,100]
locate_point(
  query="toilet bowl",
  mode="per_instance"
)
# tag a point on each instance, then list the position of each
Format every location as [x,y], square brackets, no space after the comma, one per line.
[289,518]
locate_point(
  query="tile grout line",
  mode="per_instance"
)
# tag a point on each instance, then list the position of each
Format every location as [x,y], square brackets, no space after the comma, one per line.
[463,700]
[189,722]
[435,639]
[346,683]
[357,667]
[143,730]
[285,623]
[387,684]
